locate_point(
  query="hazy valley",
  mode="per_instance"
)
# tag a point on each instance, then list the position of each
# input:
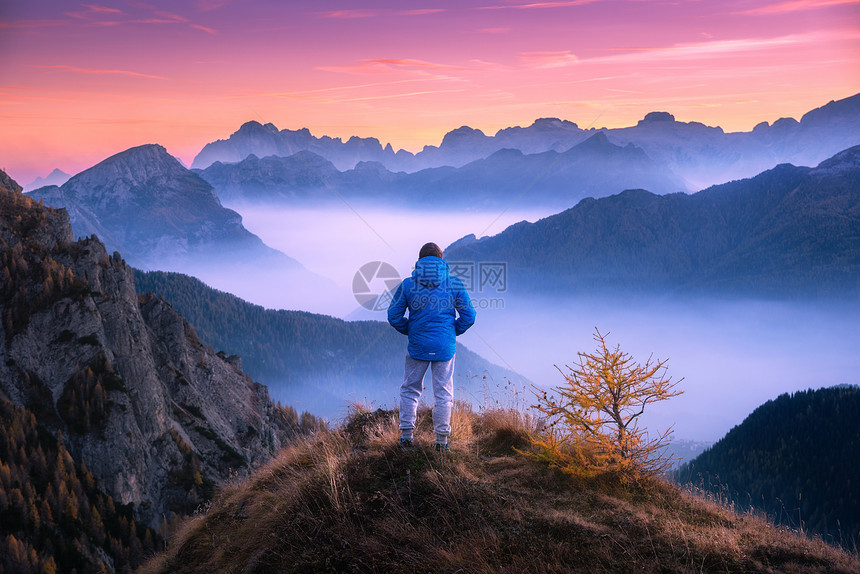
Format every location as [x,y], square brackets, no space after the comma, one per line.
[733,283]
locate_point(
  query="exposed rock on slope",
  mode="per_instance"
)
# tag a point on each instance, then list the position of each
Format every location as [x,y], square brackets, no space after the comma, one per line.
[157,416]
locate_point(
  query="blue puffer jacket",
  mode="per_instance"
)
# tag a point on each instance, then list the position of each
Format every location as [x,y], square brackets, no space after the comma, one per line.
[439,310]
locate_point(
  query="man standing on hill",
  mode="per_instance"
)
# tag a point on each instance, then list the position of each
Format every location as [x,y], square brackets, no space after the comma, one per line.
[431,308]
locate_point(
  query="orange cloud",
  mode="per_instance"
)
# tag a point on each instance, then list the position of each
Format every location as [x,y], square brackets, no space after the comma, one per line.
[716,48]
[91,71]
[102,9]
[555,59]
[302,93]
[209,5]
[391,96]
[204,29]
[410,63]
[532,5]
[23,24]
[378,66]
[170,16]
[348,14]
[797,5]
[423,12]
[360,69]
[93,11]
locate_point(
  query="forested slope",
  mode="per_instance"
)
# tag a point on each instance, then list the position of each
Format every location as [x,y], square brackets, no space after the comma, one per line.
[796,457]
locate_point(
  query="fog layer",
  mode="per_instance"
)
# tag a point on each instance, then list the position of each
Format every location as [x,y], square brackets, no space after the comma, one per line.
[732,354]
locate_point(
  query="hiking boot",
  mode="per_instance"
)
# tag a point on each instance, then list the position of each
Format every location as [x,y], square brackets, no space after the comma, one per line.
[442,447]
[406,443]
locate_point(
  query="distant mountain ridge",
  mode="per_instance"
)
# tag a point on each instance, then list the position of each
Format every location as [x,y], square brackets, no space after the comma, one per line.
[795,458]
[787,231]
[254,138]
[699,154]
[56,177]
[550,179]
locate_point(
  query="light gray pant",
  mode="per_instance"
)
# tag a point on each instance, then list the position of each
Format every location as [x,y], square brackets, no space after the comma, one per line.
[442,373]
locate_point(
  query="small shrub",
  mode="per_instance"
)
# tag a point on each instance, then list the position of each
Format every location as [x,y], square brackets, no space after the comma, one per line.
[594,420]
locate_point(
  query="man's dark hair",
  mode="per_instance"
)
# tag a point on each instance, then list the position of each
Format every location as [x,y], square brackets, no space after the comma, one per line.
[430,249]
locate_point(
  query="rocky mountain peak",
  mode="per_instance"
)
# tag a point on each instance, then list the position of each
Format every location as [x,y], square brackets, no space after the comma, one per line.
[255,127]
[461,136]
[553,123]
[597,143]
[834,112]
[124,175]
[9,183]
[842,163]
[785,124]
[653,117]
[144,203]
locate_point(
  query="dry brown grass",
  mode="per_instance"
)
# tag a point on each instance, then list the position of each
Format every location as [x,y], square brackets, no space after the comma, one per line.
[353,501]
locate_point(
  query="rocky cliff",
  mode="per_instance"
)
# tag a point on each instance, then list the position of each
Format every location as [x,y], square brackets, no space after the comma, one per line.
[156,415]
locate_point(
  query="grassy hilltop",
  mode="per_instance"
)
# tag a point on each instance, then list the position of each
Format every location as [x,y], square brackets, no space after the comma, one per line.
[351,500]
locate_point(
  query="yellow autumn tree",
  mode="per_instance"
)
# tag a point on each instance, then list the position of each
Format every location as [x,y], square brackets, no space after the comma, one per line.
[594,416]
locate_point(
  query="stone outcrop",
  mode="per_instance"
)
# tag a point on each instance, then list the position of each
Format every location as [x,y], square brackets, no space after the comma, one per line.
[157,416]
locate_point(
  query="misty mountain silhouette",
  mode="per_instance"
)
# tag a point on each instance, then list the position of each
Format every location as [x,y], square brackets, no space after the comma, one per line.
[265,140]
[788,231]
[549,179]
[699,154]
[56,177]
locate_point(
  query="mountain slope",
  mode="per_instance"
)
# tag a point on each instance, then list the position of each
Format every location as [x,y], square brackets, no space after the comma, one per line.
[155,210]
[316,360]
[145,204]
[53,515]
[595,167]
[787,231]
[301,176]
[795,458]
[354,501]
[157,417]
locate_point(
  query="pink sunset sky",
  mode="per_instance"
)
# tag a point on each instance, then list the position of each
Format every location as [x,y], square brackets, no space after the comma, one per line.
[82,81]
